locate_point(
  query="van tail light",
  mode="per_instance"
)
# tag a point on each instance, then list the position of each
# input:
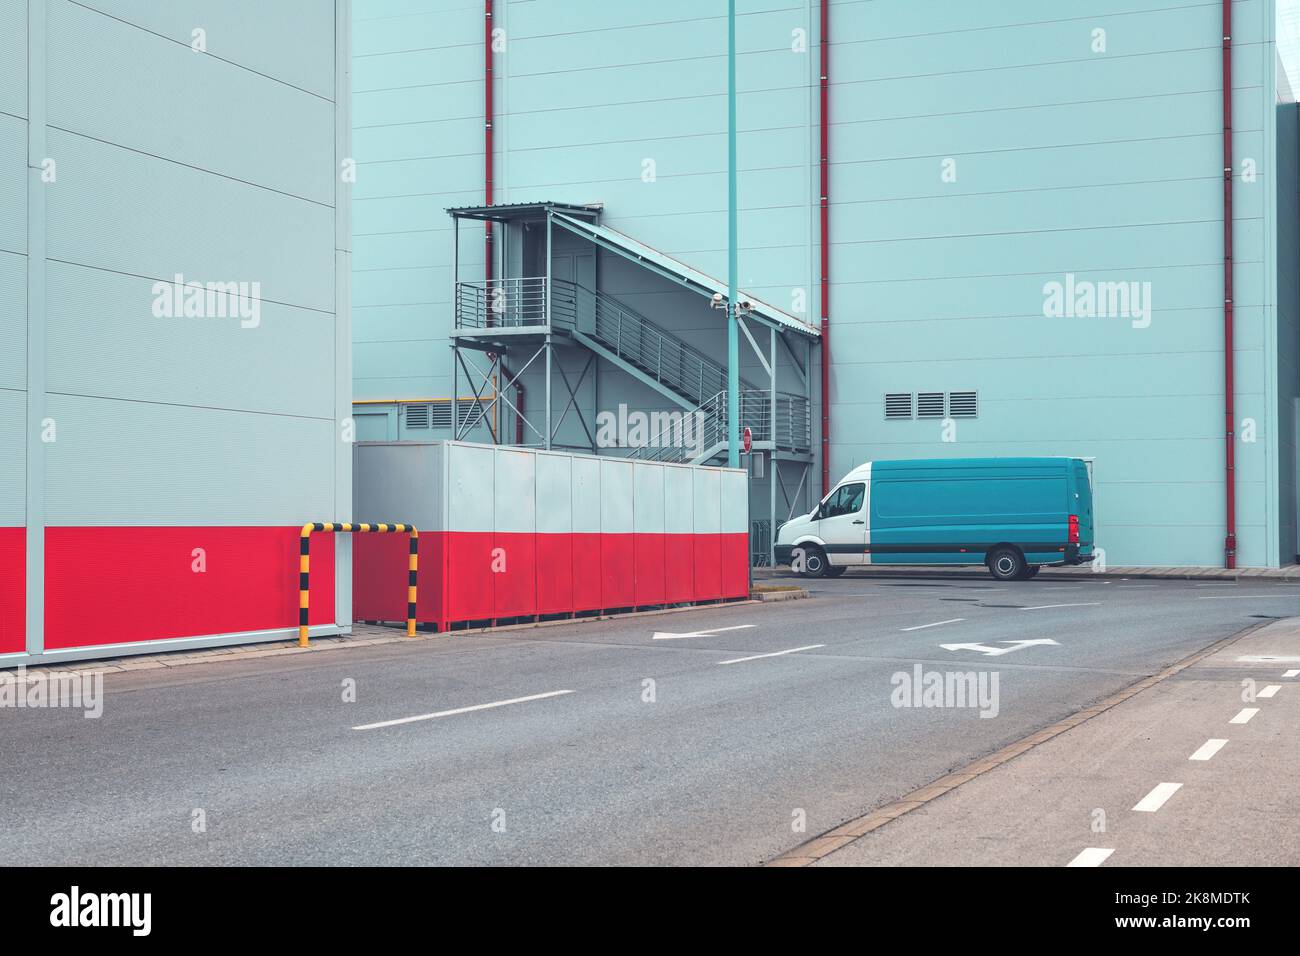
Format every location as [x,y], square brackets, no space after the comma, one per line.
[1074,530]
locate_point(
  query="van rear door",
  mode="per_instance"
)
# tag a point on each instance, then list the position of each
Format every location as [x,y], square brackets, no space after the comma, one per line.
[1081,503]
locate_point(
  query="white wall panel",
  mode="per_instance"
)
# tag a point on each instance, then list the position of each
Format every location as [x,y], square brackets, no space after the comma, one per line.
[554,493]
[13,57]
[586,496]
[13,459]
[679,499]
[13,184]
[515,490]
[735,502]
[617,486]
[648,502]
[708,501]
[13,320]
[399,483]
[471,483]
[136,463]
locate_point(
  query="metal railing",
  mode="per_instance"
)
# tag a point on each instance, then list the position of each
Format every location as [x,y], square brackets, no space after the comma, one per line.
[501,303]
[689,436]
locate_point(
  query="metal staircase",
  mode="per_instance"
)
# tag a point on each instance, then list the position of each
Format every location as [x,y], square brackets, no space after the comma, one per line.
[700,435]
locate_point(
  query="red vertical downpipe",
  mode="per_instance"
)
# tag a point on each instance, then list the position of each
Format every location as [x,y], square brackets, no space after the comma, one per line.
[489,119]
[1230,476]
[825,242]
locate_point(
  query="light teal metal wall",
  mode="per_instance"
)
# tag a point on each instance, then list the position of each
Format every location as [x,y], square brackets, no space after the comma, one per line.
[1069,158]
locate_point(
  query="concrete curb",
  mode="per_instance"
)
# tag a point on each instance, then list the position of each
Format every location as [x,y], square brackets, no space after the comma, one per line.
[794,594]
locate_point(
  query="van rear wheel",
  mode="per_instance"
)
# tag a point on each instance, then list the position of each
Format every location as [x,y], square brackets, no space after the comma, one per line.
[1006,564]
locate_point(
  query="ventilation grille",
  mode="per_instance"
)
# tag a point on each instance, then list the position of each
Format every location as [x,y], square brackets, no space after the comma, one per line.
[898,405]
[963,404]
[417,416]
[929,405]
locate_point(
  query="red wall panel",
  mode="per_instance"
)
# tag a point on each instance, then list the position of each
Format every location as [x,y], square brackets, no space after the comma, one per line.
[114,585]
[735,565]
[555,574]
[617,570]
[708,567]
[516,586]
[679,568]
[379,566]
[648,551]
[587,574]
[13,589]
[471,585]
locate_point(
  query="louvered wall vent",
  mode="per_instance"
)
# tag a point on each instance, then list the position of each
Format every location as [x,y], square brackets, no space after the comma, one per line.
[963,404]
[441,417]
[929,405]
[898,405]
[417,416]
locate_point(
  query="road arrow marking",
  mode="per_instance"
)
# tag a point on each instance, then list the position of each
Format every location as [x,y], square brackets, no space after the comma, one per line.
[668,636]
[998,651]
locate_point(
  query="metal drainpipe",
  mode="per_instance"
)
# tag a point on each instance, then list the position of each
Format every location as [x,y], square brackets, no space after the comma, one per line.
[1230,476]
[825,243]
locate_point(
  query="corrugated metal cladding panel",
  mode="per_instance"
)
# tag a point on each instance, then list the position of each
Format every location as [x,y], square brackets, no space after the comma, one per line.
[292,42]
[648,501]
[13,185]
[400,483]
[134,214]
[129,353]
[111,80]
[554,494]
[516,491]
[13,318]
[13,460]
[13,57]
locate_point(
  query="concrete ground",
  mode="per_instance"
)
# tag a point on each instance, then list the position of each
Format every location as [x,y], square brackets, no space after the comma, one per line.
[1219,738]
[724,735]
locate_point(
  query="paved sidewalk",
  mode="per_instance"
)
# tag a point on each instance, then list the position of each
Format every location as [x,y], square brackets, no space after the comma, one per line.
[1190,771]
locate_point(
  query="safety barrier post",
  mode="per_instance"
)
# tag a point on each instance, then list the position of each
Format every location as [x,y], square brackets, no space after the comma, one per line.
[304,566]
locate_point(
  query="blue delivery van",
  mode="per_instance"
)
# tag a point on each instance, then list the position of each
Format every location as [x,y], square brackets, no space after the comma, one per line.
[1012,515]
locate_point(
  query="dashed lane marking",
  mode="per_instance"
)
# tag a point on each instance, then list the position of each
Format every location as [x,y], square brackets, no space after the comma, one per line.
[754,657]
[462,710]
[1208,749]
[922,627]
[1244,715]
[1154,800]
[1268,691]
[1092,856]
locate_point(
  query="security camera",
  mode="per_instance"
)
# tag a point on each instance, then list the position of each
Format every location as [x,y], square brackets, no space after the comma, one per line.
[718,300]
[745,307]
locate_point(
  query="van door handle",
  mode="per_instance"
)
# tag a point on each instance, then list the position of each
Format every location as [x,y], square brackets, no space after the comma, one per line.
[859,521]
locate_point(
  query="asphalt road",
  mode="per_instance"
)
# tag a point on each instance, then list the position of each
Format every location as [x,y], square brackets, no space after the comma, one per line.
[716,762]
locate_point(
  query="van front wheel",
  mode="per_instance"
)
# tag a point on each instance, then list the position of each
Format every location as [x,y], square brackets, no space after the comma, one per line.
[815,564]
[1006,564]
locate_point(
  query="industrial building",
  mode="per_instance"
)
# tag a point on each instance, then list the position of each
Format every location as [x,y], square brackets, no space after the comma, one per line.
[174,333]
[966,229]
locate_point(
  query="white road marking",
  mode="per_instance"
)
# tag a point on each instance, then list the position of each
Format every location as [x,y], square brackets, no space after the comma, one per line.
[793,650]
[998,651]
[1244,715]
[669,636]
[1134,587]
[1044,607]
[1208,749]
[1292,673]
[1269,691]
[463,710]
[922,627]
[1092,856]
[1154,800]
[1266,659]
[1243,597]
